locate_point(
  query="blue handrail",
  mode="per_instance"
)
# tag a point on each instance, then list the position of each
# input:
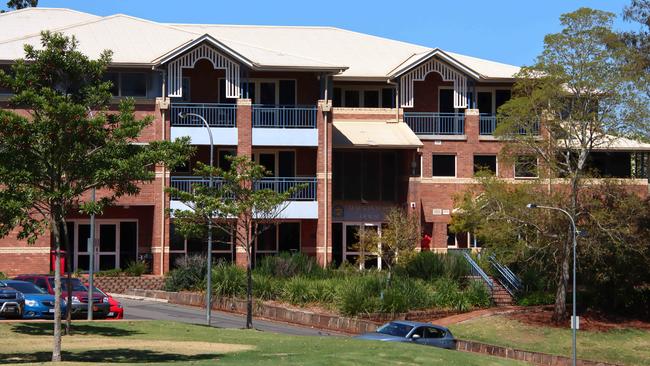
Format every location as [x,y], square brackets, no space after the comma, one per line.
[510,281]
[477,271]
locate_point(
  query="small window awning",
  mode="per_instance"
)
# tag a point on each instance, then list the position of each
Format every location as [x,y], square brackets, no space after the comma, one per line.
[374,134]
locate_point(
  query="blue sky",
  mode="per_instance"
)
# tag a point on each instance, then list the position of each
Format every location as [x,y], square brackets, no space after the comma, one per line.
[502,30]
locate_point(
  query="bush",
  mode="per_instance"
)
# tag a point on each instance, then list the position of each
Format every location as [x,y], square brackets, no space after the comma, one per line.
[227,280]
[404,294]
[3,276]
[287,265]
[135,268]
[430,266]
[188,275]
[266,287]
[446,293]
[117,272]
[297,291]
[324,291]
[359,295]
[477,294]
[536,298]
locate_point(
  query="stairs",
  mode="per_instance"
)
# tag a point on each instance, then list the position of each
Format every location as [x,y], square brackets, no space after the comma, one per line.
[500,296]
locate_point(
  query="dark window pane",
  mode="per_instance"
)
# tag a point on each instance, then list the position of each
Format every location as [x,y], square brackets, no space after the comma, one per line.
[500,97]
[107,237]
[526,167]
[106,262]
[337,243]
[352,177]
[114,78]
[268,162]
[224,162]
[338,174]
[221,240]
[444,165]
[287,164]
[289,236]
[388,98]
[446,101]
[176,241]
[371,98]
[267,93]
[352,98]
[389,176]
[133,84]
[187,91]
[267,241]
[336,98]
[372,176]
[451,238]
[351,237]
[287,92]
[485,163]
[83,234]
[83,262]
[128,242]
[197,245]
[484,100]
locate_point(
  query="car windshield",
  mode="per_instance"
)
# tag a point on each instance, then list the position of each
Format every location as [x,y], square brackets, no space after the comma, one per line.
[98,291]
[395,329]
[26,288]
[75,283]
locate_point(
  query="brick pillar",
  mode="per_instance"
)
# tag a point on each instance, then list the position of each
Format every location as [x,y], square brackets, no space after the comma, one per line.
[161,221]
[244,147]
[465,162]
[324,178]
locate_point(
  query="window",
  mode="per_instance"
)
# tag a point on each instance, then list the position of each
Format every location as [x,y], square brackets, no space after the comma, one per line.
[289,236]
[187,94]
[337,100]
[365,175]
[446,100]
[444,165]
[388,98]
[371,98]
[363,97]
[127,84]
[352,98]
[486,163]
[433,333]
[501,97]
[484,100]
[40,282]
[224,162]
[287,92]
[526,167]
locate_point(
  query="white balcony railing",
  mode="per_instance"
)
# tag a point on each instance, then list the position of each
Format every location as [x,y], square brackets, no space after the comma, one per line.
[217,115]
[265,116]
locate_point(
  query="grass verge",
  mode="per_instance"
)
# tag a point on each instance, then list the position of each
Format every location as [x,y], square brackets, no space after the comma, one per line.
[171,343]
[628,346]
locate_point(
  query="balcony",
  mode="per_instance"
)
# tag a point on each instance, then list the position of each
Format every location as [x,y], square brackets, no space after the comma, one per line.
[217,115]
[278,184]
[284,125]
[434,123]
[488,124]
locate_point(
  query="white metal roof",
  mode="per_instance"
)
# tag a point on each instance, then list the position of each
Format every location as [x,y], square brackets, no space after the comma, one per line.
[138,41]
[369,134]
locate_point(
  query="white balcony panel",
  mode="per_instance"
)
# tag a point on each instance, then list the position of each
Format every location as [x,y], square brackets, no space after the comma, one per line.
[285,136]
[199,136]
[294,209]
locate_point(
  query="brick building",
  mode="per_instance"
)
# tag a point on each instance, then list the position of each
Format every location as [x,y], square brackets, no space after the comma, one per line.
[366,123]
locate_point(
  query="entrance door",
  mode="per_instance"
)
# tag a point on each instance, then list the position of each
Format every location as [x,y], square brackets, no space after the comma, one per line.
[350,239]
[108,247]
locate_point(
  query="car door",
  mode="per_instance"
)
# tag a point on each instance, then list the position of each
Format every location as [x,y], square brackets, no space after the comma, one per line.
[436,337]
[417,335]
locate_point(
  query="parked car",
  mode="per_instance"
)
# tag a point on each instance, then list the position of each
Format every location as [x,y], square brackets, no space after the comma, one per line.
[415,332]
[12,303]
[38,303]
[79,306]
[116,310]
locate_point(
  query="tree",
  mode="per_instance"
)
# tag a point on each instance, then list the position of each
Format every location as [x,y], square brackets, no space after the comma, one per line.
[637,57]
[60,150]
[238,204]
[578,91]
[20,4]
[367,244]
[399,237]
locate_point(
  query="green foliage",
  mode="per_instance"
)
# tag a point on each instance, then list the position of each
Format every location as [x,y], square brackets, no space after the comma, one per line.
[287,265]
[189,273]
[536,298]
[430,266]
[404,294]
[227,280]
[477,294]
[266,287]
[116,272]
[359,295]
[399,237]
[297,291]
[135,268]
[3,276]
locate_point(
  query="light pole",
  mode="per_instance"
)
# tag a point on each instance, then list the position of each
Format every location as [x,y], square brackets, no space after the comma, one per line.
[208,292]
[91,261]
[575,233]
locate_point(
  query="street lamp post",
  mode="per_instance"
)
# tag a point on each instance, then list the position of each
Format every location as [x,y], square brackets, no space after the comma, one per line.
[575,233]
[208,292]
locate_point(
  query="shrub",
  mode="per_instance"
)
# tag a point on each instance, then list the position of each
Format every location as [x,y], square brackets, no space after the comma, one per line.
[3,276]
[227,280]
[297,291]
[287,265]
[424,265]
[359,295]
[477,294]
[536,298]
[455,266]
[135,268]
[266,287]
[117,272]
[324,291]
[404,294]
[188,275]
[446,293]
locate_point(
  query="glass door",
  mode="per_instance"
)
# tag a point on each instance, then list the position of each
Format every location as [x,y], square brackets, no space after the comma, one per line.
[351,251]
[108,247]
[82,236]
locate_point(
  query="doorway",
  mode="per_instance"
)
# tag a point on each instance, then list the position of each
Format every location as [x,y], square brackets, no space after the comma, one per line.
[110,237]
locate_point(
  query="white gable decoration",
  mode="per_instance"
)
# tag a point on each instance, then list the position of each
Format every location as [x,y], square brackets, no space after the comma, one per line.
[421,72]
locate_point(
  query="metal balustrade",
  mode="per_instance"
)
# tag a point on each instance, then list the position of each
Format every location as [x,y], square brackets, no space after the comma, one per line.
[217,115]
[433,123]
[487,124]
[265,116]
[278,184]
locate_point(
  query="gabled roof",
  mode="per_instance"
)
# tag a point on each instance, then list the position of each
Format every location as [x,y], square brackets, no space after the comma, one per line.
[136,41]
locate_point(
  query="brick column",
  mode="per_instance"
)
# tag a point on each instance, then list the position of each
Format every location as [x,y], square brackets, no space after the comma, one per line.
[161,222]
[244,147]
[324,179]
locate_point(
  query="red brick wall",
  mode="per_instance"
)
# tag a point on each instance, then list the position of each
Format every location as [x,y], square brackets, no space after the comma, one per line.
[324,177]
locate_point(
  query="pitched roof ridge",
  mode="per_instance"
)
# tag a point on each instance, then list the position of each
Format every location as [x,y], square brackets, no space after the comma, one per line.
[99,19]
[251,25]
[44,8]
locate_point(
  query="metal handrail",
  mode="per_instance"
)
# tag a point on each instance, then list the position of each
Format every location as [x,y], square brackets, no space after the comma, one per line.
[278,184]
[434,123]
[506,277]
[487,124]
[477,271]
[216,114]
[273,116]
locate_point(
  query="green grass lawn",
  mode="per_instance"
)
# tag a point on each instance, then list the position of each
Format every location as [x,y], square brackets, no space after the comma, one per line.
[629,346]
[170,343]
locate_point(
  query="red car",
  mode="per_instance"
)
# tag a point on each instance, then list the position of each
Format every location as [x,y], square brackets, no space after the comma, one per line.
[79,304]
[116,311]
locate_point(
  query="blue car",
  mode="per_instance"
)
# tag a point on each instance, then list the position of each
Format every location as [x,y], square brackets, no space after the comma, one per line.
[413,332]
[38,303]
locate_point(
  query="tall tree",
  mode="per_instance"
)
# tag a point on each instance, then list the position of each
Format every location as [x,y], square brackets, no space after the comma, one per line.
[399,237]
[58,150]
[22,4]
[237,204]
[578,91]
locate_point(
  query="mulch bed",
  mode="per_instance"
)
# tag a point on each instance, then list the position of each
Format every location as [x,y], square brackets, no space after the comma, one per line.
[591,321]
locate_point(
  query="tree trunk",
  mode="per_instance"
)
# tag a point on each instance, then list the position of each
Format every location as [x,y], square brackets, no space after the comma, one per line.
[68,259]
[56,349]
[249,293]
[559,309]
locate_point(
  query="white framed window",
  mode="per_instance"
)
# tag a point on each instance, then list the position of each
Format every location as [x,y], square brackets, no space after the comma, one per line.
[444,165]
[486,162]
[265,91]
[128,83]
[363,96]
[350,253]
[181,247]
[526,167]
[280,163]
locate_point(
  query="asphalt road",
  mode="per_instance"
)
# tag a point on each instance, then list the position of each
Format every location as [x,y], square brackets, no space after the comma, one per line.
[153,310]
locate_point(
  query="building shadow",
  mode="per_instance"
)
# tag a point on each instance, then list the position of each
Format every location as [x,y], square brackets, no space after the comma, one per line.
[105,356]
[77,329]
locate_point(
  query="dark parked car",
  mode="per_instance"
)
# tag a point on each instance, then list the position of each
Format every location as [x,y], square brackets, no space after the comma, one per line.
[38,303]
[79,306]
[12,302]
[415,332]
